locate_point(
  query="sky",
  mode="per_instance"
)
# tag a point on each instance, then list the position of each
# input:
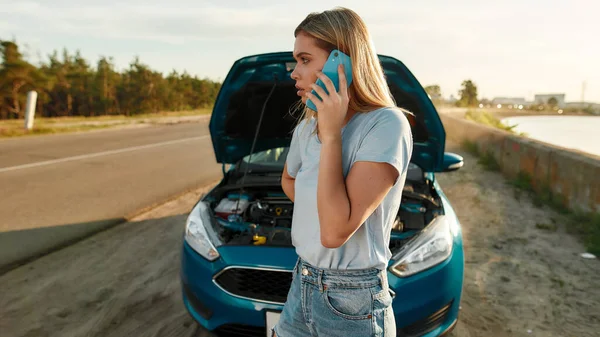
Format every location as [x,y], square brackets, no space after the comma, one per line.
[508,48]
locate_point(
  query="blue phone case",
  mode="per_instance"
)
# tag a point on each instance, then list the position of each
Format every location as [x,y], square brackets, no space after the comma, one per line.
[330,69]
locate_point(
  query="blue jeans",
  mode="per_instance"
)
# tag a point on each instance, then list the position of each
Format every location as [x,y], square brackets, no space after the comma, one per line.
[326,302]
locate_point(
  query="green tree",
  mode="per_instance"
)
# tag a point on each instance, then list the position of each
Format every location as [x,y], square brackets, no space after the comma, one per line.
[81,78]
[106,80]
[468,94]
[17,77]
[60,95]
[141,89]
[553,102]
[435,93]
[68,85]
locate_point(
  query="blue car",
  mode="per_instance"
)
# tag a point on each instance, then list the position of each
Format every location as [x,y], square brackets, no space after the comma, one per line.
[237,257]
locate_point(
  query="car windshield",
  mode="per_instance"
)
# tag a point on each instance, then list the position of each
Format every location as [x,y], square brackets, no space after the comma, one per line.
[269,159]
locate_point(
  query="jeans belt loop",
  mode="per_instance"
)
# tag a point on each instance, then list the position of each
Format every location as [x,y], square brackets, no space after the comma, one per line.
[320,281]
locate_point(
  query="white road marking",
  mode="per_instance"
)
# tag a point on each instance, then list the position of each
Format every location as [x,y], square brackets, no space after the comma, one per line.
[98,154]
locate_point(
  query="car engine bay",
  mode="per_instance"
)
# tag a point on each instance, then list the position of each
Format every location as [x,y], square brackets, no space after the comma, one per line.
[259,213]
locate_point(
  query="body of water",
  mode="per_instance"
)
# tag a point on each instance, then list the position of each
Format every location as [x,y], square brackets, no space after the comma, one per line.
[575,132]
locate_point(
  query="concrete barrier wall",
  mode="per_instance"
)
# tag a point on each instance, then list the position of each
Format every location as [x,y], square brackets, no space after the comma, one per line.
[571,175]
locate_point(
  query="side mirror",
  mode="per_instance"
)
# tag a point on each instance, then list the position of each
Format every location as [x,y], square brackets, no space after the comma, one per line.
[452,162]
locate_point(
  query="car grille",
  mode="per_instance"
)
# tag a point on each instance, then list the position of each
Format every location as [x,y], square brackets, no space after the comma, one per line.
[266,285]
[426,325]
[256,284]
[239,330]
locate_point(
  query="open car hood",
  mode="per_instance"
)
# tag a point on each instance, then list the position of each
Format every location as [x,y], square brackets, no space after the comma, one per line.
[236,114]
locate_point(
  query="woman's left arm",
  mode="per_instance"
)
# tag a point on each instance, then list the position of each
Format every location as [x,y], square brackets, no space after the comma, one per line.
[344,205]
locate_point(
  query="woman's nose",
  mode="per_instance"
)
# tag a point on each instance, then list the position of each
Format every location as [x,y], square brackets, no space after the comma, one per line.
[294,75]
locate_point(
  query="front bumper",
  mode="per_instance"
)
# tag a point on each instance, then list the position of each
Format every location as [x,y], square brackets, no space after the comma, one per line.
[210,304]
[425,304]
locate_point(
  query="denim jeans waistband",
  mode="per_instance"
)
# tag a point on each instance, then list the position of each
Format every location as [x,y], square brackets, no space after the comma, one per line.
[343,278]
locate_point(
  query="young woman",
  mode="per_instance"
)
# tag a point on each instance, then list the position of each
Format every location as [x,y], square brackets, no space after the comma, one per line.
[345,172]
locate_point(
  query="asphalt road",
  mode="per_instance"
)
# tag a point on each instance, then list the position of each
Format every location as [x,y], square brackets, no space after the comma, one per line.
[56,180]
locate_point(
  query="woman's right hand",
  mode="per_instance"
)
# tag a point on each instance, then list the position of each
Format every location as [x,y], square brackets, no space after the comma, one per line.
[332,107]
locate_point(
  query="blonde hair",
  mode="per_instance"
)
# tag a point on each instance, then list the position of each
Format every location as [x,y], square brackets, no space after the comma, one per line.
[341,28]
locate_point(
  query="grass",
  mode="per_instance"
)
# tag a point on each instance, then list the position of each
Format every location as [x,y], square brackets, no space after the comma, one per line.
[43,125]
[546,226]
[558,281]
[585,225]
[544,196]
[471,147]
[44,130]
[486,159]
[486,118]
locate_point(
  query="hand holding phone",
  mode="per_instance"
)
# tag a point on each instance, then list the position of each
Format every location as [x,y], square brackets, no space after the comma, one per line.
[330,69]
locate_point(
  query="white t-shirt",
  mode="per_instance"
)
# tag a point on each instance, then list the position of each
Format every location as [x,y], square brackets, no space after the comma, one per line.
[382,135]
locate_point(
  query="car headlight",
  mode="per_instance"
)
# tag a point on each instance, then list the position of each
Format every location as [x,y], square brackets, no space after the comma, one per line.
[198,236]
[429,248]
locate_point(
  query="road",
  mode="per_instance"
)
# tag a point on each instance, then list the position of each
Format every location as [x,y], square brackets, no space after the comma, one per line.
[56,189]
[79,178]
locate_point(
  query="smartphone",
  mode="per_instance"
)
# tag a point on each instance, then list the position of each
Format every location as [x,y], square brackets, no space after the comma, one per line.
[330,69]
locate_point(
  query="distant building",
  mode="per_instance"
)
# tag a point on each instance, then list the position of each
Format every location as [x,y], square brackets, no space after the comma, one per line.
[544,98]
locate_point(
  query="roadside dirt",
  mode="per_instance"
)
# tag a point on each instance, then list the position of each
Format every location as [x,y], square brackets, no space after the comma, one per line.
[121,282]
[524,276]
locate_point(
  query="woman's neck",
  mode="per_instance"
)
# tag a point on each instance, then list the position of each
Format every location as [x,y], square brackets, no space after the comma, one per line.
[349,116]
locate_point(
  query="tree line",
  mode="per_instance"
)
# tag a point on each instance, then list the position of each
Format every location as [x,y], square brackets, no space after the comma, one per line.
[468,97]
[467,94]
[69,85]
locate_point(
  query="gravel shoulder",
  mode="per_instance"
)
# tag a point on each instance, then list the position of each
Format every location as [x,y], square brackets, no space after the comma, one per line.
[524,275]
